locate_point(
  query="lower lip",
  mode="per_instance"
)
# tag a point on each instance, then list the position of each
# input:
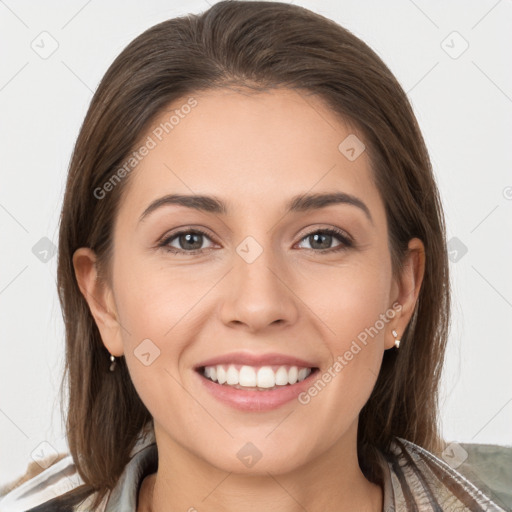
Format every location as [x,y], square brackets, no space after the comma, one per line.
[257,401]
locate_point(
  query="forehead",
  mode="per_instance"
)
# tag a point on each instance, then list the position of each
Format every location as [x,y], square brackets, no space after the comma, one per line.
[251,149]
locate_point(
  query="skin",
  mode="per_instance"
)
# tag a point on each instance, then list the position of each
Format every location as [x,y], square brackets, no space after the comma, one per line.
[253,151]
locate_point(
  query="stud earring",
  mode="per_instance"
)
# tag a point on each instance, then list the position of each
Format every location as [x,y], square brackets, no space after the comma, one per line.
[113,363]
[397,341]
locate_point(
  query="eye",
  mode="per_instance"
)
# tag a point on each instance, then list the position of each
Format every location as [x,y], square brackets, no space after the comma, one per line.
[322,239]
[189,241]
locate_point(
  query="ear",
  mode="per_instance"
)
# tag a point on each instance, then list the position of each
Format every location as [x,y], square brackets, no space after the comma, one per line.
[407,289]
[100,299]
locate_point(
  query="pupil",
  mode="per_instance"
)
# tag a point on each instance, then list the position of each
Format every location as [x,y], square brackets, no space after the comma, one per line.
[326,237]
[188,237]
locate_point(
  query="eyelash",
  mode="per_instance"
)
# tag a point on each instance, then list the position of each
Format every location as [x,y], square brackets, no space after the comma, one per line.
[346,243]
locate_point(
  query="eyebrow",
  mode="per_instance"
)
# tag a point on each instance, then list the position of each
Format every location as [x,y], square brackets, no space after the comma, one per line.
[300,203]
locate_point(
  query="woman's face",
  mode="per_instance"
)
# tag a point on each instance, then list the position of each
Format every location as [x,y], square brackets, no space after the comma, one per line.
[265,279]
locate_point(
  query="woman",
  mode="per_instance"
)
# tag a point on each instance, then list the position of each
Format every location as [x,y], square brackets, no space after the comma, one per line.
[254,280]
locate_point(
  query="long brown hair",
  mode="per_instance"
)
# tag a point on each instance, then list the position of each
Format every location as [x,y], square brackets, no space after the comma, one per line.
[261,45]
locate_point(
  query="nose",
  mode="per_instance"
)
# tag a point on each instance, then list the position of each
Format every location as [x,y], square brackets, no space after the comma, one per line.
[258,294]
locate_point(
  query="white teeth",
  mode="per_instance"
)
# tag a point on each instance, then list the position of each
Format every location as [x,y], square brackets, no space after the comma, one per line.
[264,377]
[247,376]
[221,374]
[232,376]
[282,376]
[303,373]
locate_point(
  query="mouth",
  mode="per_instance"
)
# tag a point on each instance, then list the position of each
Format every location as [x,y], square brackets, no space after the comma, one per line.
[256,382]
[256,378]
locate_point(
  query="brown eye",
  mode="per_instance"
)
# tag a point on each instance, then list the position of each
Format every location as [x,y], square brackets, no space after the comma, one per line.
[189,242]
[321,240]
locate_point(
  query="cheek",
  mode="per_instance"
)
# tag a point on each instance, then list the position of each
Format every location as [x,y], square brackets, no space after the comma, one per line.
[352,299]
[155,302]
[155,321]
[356,312]
[160,312]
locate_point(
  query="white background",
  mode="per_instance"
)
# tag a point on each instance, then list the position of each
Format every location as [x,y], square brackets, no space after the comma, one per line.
[464,107]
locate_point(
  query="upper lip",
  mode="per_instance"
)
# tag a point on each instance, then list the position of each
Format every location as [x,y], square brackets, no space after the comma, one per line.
[246,358]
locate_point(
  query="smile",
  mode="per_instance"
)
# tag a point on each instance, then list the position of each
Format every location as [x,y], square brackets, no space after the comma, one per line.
[255,377]
[253,388]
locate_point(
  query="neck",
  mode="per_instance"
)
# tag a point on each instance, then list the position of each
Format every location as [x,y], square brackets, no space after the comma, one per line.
[332,481]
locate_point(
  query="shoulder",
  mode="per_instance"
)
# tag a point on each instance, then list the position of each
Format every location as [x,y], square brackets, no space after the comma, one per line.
[56,486]
[41,483]
[489,466]
[445,482]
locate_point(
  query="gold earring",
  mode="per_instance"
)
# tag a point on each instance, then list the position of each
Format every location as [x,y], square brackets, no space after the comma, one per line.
[397,341]
[113,363]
